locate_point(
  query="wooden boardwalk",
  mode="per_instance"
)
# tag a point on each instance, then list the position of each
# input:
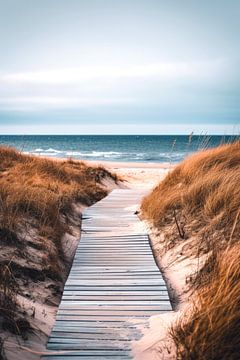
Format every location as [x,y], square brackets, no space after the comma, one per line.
[113,287]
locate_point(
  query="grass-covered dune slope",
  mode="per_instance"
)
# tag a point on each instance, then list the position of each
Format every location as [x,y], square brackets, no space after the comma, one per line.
[198,204]
[40,218]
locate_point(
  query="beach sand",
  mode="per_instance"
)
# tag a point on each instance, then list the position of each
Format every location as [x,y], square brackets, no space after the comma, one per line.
[137,175]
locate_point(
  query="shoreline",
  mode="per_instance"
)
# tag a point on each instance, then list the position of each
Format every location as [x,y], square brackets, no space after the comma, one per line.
[126,164]
[115,164]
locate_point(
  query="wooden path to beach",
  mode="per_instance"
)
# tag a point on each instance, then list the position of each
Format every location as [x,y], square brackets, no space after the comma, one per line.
[114,285]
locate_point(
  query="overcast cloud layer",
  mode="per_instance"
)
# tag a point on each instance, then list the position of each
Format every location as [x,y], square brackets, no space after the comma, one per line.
[99,66]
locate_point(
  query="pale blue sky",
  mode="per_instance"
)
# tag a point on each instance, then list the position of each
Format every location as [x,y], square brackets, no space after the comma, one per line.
[135,66]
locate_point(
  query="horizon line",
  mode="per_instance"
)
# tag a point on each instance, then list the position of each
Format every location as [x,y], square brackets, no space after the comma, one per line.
[92,134]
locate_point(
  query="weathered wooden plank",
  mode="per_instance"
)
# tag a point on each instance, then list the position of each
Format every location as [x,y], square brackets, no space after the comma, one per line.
[117,237]
[115,269]
[114,311]
[131,245]
[110,318]
[123,274]
[69,356]
[94,352]
[109,244]
[81,275]
[116,292]
[119,280]
[82,272]
[118,272]
[111,282]
[91,330]
[113,256]
[110,278]
[100,335]
[133,239]
[113,295]
[116,300]
[112,315]
[109,305]
[91,342]
[103,324]
[83,344]
[113,288]
[94,333]
[113,246]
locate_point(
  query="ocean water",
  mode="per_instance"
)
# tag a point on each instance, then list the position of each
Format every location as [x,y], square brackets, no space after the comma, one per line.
[129,148]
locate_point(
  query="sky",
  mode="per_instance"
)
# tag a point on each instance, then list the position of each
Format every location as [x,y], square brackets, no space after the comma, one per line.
[119,67]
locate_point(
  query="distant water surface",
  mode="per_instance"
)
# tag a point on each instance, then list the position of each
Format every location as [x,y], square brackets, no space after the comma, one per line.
[128,148]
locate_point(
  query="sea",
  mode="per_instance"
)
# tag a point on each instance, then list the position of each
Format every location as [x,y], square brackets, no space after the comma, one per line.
[123,148]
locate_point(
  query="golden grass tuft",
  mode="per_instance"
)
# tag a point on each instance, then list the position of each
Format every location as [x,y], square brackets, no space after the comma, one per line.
[202,196]
[43,190]
[211,331]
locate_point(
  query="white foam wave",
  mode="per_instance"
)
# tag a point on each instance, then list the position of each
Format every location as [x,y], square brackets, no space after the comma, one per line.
[110,155]
[94,153]
[50,150]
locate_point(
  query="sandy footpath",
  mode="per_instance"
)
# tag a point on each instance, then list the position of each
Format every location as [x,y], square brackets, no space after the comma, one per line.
[137,175]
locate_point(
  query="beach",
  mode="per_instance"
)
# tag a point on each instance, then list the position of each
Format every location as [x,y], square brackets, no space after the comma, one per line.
[48,200]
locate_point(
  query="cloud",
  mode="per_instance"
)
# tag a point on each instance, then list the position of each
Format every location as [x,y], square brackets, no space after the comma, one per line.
[36,103]
[130,128]
[162,71]
[164,90]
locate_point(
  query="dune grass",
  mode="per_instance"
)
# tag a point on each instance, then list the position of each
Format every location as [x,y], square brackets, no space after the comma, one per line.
[211,331]
[201,196]
[37,198]
[43,190]
[200,200]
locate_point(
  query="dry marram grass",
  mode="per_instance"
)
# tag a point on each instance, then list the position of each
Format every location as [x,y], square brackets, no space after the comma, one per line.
[199,200]
[203,194]
[211,331]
